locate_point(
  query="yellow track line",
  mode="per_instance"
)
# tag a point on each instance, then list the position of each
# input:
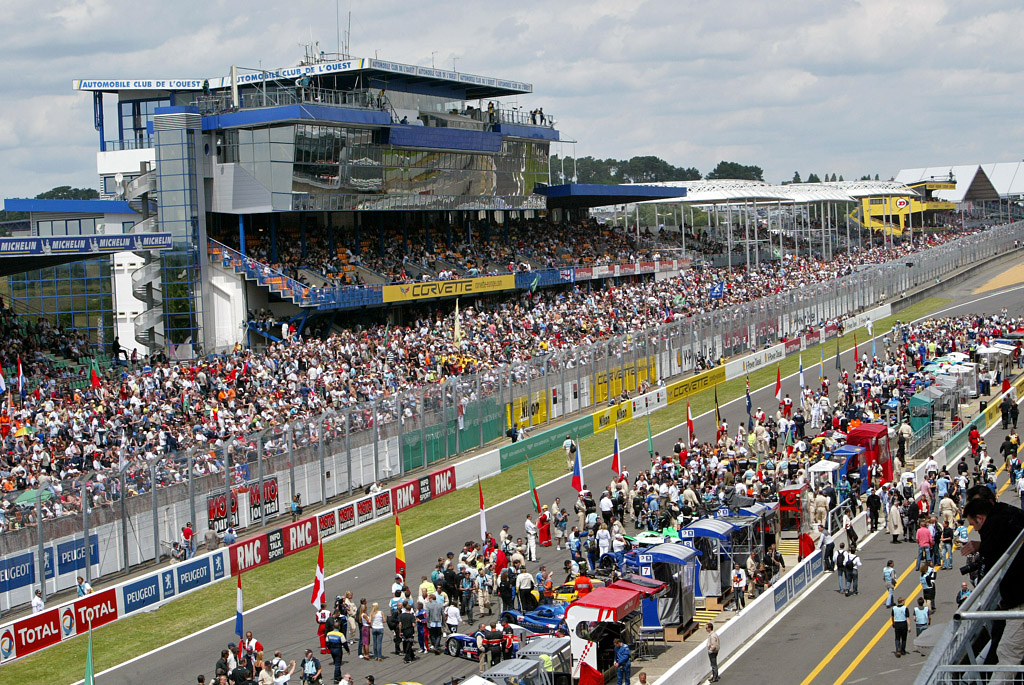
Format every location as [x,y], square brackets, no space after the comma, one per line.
[882,631]
[854,630]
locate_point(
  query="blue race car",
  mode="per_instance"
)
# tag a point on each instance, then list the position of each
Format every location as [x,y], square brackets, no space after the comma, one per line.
[544,619]
[464,646]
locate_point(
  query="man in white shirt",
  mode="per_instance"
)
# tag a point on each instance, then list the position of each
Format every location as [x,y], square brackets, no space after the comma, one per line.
[531,538]
[570,453]
[38,605]
[606,506]
[739,583]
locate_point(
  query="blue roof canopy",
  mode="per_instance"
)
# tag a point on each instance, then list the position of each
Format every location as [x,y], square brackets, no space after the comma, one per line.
[18,204]
[712,528]
[759,508]
[672,553]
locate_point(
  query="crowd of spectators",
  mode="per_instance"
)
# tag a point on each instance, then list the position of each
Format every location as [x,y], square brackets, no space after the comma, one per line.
[152,412]
[482,250]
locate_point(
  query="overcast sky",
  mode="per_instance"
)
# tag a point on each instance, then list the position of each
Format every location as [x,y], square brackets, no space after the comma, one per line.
[839,86]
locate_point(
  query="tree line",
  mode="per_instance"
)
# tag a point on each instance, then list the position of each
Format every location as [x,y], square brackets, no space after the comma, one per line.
[651,169]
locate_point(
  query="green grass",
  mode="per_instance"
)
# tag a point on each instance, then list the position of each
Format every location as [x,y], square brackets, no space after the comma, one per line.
[140,633]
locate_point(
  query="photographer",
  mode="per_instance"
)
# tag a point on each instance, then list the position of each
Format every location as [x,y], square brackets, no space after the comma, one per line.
[998,525]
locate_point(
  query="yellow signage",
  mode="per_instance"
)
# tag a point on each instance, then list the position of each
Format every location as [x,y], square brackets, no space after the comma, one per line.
[465,286]
[646,368]
[690,386]
[612,416]
[524,411]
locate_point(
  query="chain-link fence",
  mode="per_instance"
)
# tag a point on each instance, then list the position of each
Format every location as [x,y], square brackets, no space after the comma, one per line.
[247,480]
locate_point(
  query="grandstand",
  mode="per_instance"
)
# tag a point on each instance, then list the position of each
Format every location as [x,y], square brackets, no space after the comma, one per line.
[358,204]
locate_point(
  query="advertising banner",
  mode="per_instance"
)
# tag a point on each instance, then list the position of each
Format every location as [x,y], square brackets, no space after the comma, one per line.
[270,497]
[217,511]
[690,386]
[434,289]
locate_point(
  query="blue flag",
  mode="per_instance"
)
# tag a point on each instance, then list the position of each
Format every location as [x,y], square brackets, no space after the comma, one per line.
[750,419]
[717,291]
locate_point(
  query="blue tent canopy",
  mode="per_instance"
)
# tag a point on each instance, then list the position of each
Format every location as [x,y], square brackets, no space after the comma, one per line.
[672,553]
[848,451]
[759,508]
[712,528]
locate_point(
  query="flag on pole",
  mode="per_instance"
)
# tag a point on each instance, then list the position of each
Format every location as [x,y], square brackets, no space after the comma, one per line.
[94,374]
[399,550]
[821,366]
[3,383]
[238,611]
[616,467]
[650,439]
[718,412]
[839,365]
[317,600]
[689,422]
[577,469]
[483,513]
[856,355]
[533,485]
[90,675]
[122,459]
[873,355]
[778,382]
[21,379]
[457,334]
[802,385]
[750,419]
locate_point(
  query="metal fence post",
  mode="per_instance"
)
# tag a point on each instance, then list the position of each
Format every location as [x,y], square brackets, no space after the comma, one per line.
[191,489]
[259,479]
[480,406]
[320,442]
[348,447]
[376,439]
[156,521]
[41,562]
[400,418]
[86,505]
[124,523]
[423,425]
[290,447]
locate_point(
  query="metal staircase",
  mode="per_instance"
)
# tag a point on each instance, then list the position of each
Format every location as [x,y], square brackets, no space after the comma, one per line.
[263,275]
[149,325]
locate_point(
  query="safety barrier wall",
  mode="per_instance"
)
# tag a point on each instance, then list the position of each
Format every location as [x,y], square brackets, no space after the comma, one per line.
[27,635]
[441,425]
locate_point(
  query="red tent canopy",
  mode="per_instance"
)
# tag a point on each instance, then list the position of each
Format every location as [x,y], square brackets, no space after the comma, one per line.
[620,601]
[644,590]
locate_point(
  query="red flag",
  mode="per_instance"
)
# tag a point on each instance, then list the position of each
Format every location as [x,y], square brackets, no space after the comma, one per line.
[483,513]
[94,375]
[689,422]
[590,675]
[318,583]
[616,466]
[778,382]
[856,356]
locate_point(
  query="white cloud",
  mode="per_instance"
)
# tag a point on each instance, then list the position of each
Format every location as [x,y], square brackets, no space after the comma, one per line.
[851,86]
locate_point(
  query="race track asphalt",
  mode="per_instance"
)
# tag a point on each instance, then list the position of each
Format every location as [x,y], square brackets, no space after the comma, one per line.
[796,645]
